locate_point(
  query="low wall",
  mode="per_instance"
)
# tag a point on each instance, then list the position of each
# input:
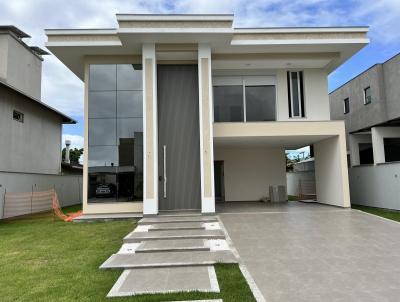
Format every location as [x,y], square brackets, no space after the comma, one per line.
[68,187]
[293,178]
[376,186]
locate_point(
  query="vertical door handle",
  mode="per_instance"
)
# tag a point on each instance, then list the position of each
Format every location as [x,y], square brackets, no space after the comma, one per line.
[165,170]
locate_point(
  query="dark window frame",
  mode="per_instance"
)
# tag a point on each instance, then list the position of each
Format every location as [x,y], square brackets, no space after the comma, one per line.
[346,105]
[367,99]
[300,93]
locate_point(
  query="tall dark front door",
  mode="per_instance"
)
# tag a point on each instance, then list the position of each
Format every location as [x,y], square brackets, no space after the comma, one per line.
[178,137]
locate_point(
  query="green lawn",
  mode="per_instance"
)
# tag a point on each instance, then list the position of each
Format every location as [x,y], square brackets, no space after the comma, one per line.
[46,260]
[389,214]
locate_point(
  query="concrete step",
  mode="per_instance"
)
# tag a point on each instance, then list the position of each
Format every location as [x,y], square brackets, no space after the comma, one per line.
[165,280]
[177,226]
[177,219]
[172,246]
[173,234]
[168,259]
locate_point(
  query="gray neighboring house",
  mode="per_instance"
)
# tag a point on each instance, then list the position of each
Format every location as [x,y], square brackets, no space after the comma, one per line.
[370,106]
[31,131]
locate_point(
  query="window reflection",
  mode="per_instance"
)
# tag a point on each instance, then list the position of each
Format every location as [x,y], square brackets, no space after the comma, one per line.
[115,162]
[260,103]
[228,103]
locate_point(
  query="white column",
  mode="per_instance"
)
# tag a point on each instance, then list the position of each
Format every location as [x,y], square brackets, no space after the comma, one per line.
[206,129]
[150,141]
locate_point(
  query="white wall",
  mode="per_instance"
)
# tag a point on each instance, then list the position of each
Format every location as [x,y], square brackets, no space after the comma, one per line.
[293,179]
[68,187]
[376,186]
[24,69]
[378,134]
[249,172]
[316,99]
[354,140]
[331,171]
[33,146]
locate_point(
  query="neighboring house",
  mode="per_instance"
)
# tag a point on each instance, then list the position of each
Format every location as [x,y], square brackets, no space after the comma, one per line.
[370,106]
[30,136]
[301,180]
[181,110]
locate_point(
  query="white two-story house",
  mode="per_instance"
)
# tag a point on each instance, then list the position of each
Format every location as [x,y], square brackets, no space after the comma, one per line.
[181,110]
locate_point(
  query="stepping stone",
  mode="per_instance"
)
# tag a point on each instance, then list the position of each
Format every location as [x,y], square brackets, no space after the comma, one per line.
[168,259]
[172,245]
[173,234]
[177,219]
[165,280]
[177,226]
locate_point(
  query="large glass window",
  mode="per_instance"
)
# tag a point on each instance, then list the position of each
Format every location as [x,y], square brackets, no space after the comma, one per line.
[115,133]
[260,103]
[244,99]
[228,104]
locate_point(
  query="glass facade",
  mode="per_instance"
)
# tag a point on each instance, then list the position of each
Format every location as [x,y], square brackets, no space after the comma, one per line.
[115,113]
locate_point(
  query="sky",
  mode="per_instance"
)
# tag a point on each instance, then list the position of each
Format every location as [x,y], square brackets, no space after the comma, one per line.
[62,90]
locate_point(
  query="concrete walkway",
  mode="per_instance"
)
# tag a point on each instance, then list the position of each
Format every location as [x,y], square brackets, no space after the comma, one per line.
[174,253]
[305,252]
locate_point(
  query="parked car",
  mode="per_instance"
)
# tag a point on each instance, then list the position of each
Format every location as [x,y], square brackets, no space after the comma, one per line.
[106,190]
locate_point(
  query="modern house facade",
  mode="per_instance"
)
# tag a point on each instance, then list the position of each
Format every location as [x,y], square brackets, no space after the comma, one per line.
[370,106]
[184,110]
[31,131]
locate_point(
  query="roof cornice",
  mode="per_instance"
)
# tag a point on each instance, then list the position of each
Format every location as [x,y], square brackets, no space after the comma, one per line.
[174,17]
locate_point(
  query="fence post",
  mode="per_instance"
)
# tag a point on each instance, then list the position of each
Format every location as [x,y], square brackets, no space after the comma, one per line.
[32,200]
[4,202]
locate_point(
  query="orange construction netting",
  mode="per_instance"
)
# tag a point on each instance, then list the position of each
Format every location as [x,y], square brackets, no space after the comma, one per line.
[59,213]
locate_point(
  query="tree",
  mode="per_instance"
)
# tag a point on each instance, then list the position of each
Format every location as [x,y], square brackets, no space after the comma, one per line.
[74,155]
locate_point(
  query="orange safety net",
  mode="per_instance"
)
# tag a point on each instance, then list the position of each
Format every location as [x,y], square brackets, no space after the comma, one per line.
[59,213]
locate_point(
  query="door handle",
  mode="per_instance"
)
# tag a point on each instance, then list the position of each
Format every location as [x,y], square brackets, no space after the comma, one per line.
[165,170]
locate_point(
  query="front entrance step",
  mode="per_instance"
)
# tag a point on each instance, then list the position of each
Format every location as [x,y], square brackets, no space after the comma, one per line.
[168,259]
[172,246]
[173,234]
[165,280]
[177,219]
[177,226]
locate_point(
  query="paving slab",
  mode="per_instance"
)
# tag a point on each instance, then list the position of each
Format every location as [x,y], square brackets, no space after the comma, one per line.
[177,226]
[177,219]
[171,245]
[168,259]
[173,234]
[165,280]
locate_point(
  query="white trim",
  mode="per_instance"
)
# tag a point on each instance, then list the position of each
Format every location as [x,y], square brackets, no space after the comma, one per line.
[213,280]
[362,29]
[244,101]
[70,32]
[174,17]
[174,30]
[300,41]
[83,43]
[208,204]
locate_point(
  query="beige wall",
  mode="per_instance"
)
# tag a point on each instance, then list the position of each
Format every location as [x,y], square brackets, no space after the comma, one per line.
[248,172]
[19,67]
[331,174]
[316,99]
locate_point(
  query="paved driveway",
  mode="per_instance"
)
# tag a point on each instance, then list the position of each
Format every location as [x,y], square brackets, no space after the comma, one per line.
[317,253]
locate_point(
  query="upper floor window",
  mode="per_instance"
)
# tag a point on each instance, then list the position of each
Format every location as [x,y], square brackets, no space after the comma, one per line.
[295,93]
[367,95]
[346,105]
[244,99]
[18,116]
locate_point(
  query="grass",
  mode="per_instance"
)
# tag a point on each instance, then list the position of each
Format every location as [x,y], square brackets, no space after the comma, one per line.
[389,214]
[46,260]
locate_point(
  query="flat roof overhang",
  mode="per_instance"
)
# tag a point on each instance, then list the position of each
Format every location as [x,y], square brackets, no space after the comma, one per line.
[290,135]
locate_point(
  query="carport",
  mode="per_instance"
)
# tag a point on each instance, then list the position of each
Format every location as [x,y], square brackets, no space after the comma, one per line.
[253,157]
